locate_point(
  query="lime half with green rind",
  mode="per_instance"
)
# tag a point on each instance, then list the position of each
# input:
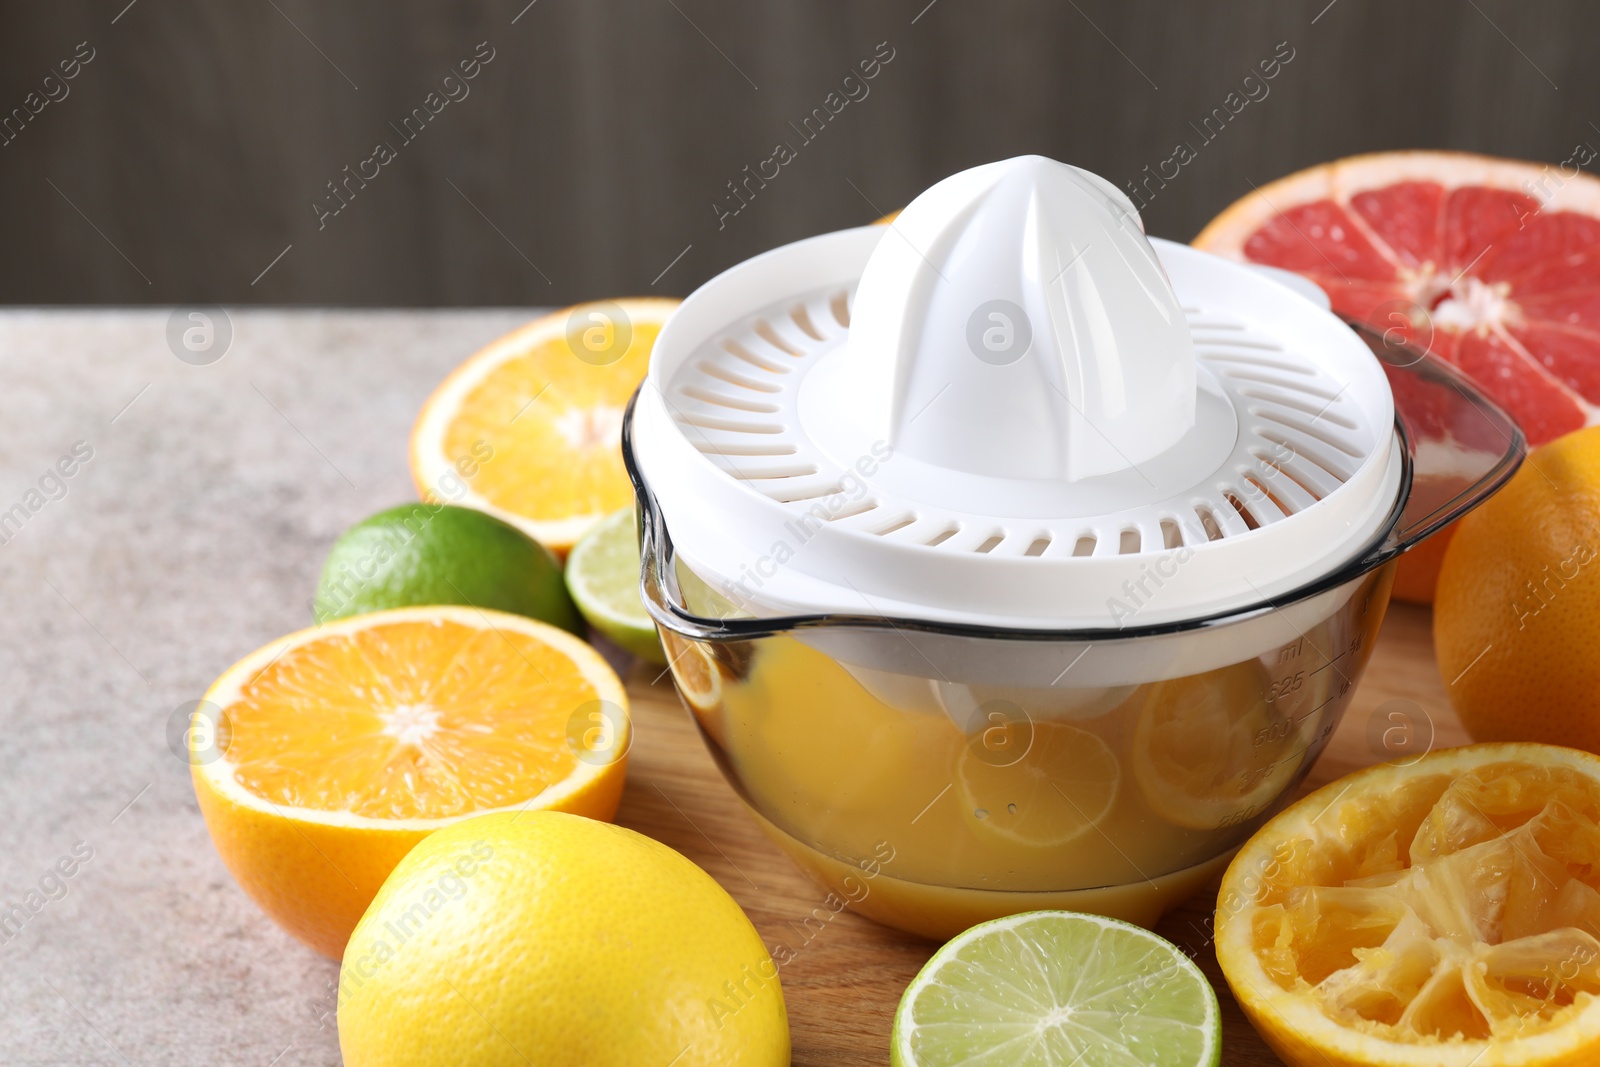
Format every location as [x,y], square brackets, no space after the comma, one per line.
[1058,989]
[603,578]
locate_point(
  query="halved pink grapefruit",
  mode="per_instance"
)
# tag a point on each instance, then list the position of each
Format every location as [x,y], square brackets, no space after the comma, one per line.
[1492,264]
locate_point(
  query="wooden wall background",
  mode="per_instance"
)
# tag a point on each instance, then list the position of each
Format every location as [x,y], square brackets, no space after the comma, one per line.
[187,154]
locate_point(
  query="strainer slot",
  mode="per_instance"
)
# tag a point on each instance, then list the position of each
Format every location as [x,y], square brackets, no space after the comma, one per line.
[1249,374]
[705,366]
[712,422]
[1261,496]
[1129,541]
[1308,448]
[991,543]
[739,351]
[851,510]
[1251,341]
[1304,467]
[1085,545]
[1038,546]
[896,525]
[1209,523]
[1258,361]
[1283,484]
[706,396]
[765,331]
[802,319]
[1310,429]
[1282,471]
[739,448]
[840,306]
[1250,521]
[805,470]
[1285,400]
[811,493]
[1171,534]
[943,535]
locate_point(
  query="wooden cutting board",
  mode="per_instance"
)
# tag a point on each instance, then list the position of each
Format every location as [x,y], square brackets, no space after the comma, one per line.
[845,981]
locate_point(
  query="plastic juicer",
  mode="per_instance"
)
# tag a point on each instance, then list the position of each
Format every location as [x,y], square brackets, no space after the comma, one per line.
[1008,558]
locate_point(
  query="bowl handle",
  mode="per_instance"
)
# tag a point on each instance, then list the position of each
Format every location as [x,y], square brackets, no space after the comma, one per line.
[1462,446]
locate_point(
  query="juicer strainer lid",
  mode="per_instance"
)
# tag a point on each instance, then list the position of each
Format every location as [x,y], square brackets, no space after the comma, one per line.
[1011,407]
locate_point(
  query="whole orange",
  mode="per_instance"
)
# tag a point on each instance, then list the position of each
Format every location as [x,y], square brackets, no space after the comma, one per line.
[1516,620]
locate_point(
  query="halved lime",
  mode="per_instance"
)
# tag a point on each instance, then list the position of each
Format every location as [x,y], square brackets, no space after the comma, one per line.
[603,578]
[1058,989]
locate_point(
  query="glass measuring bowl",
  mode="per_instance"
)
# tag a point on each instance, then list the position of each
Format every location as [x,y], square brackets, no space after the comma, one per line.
[935,775]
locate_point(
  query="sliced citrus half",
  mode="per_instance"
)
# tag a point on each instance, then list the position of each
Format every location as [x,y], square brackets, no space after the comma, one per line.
[1037,784]
[603,578]
[1492,264]
[1210,752]
[336,749]
[1440,913]
[529,429]
[695,671]
[1057,989]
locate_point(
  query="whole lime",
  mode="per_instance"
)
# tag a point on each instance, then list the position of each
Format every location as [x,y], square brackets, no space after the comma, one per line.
[424,553]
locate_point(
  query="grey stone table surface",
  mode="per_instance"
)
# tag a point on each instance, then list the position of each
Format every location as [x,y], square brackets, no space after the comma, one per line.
[189,532]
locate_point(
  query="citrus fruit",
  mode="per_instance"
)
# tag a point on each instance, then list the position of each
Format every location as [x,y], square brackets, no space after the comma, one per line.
[603,577]
[529,429]
[1057,989]
[696,673]
[699,682]
[1038,784]
[1433,912]
[543,938]
[327,755]
[1491,264]
[1209,752]
[1517,617]
[428,553]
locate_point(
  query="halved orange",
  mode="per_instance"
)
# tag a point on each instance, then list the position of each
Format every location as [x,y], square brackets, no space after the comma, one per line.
[529,428]
[328,754]
[1439,913]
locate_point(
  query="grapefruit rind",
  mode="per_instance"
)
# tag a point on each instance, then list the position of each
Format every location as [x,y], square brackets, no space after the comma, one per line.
[1341,179]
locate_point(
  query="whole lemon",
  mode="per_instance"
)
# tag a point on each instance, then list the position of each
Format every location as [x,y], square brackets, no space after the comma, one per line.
[1516,619]
[553,939]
